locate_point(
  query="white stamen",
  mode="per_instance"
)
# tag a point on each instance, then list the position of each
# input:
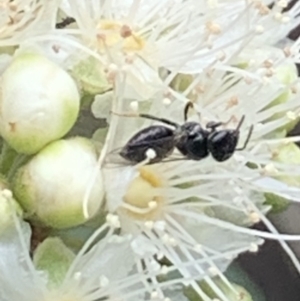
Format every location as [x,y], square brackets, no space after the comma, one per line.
[112,68]
[152,205]
[286,19]
[77,276]
[253,248]
[213,271]
[112,72]
[113,220]
[198,248]
[270,169]
[160,255]
[173,242]
[167,101]
[164,269]
[291,115]
[259,29]
[254,217]
[282,3]
[134,105]
[165,239]
[150,153]
[278,16]
[104,281]
[149,224]
[154,295]
[160,225]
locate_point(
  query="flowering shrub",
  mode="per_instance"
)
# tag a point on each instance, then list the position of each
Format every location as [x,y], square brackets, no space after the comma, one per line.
[80,220]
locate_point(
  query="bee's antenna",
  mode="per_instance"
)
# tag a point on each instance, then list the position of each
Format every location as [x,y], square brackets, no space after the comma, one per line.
[187,107]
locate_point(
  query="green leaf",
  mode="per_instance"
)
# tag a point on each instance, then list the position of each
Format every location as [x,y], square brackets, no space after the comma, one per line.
[54,258]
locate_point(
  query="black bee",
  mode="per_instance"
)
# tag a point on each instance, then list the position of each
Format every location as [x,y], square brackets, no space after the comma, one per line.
[192,140]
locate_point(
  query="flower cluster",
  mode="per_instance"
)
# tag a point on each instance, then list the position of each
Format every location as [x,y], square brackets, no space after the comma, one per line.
[88,212]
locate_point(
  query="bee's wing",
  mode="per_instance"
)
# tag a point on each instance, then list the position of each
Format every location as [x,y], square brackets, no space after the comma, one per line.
[174,158]
[115,159]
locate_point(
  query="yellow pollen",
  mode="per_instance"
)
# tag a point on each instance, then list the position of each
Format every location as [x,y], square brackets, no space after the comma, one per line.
[113,33]
[142,201]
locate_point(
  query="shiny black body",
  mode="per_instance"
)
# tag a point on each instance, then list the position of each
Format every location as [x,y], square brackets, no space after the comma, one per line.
[159,138]
[222,144]
[191,139]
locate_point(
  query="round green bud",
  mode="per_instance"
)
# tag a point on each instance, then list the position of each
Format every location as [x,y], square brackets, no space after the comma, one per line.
[39,103]
[53,185]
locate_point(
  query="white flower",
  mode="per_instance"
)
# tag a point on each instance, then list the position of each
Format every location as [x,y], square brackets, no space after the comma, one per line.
[244,28]
[195,216]
[22,19]
[39,102]
[140,38]
[188,211]
[52,185]
[56,274]
[104,269]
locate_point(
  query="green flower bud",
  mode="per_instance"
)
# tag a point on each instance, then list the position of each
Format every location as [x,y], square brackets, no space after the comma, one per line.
[289,154]
[39,103]
[286,74]
[53,185]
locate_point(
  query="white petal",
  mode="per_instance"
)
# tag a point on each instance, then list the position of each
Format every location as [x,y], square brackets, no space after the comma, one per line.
[102,105]
[112,260]
[19,280]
